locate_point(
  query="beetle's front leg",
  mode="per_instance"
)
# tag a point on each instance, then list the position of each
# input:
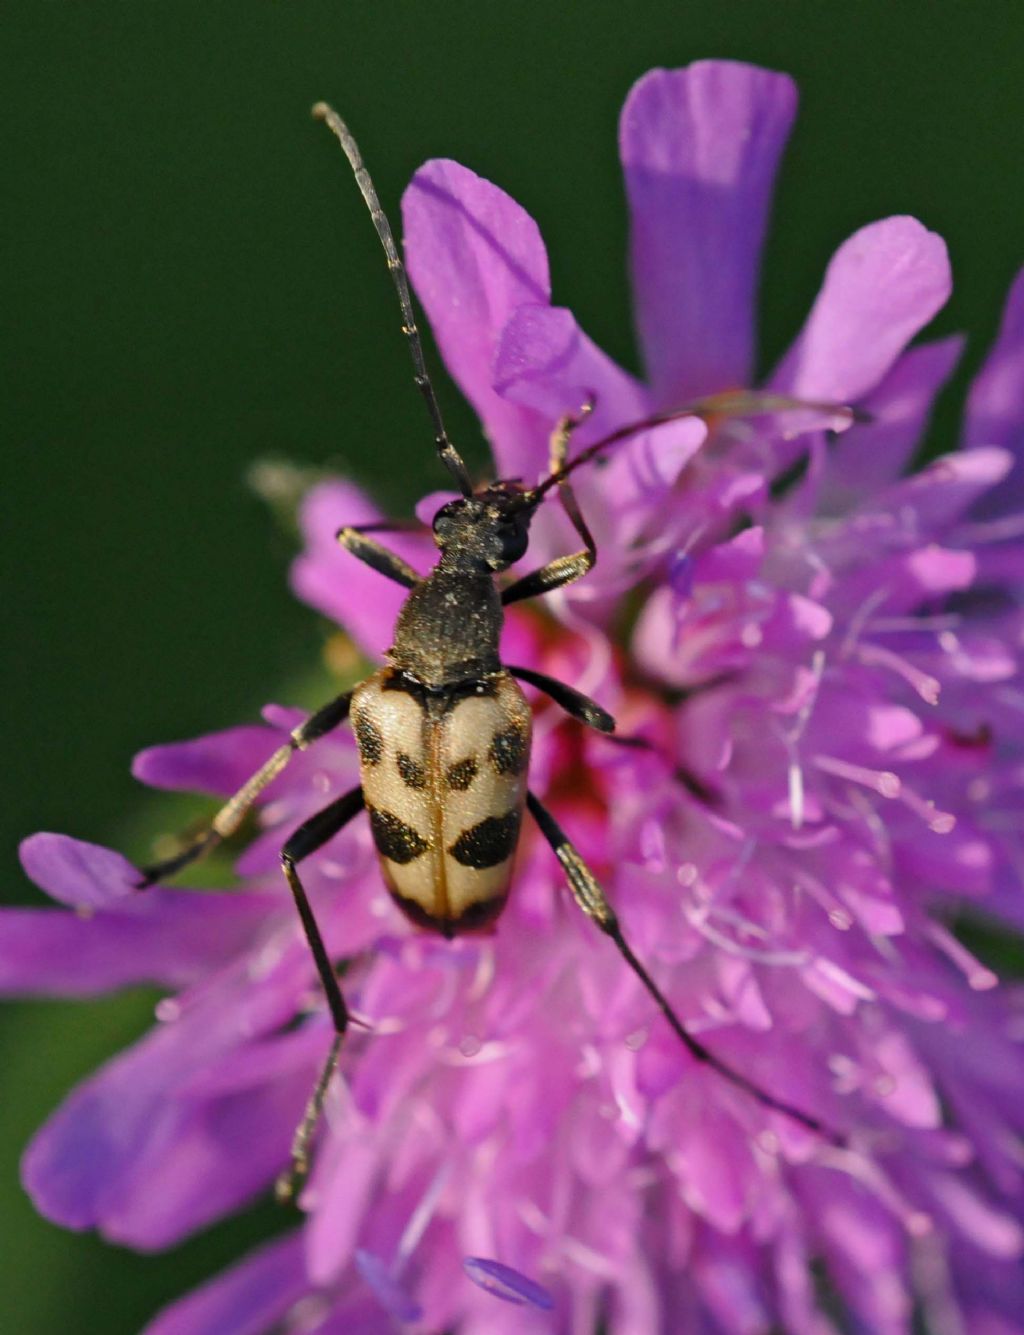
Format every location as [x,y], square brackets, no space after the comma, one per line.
[563,569]
[374,554]
[231,814]
[310,836]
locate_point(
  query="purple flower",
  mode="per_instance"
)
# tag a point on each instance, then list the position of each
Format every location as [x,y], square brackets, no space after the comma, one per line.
[827,664]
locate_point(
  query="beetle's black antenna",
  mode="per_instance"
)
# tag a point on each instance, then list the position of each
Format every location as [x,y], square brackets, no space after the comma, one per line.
[450,456]
[730,403]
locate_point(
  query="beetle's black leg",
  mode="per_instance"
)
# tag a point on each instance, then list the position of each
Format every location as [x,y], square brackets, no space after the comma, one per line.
[591,899]
[231,814]
[353,538]
[574,702]
[564,569]
[555,575]
[310,836]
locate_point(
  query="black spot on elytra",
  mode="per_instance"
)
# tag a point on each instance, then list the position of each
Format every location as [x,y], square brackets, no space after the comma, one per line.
[413,775]
[488,843]
[508,750]
[474,918]
[395,840]
[368,739]
[460,775]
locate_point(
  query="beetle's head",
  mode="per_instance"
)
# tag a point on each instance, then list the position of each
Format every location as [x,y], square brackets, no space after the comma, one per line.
[486,532]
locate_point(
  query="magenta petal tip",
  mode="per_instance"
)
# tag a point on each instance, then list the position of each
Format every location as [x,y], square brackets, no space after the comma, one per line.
[77,873]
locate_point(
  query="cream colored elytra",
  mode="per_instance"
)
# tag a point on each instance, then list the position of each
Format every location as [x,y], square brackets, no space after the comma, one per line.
[444,780]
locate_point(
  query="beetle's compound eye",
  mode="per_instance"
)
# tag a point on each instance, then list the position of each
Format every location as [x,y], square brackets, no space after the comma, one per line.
[513,537]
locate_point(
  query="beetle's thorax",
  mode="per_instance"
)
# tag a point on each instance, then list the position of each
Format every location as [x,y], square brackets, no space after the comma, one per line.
[448,629]
[450,624]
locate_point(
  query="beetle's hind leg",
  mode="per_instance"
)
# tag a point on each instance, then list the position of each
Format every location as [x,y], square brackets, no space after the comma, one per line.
[591,899]
[232,813]
[310,836]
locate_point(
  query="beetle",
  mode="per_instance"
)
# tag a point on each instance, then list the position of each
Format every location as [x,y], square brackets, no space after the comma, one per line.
[443,729]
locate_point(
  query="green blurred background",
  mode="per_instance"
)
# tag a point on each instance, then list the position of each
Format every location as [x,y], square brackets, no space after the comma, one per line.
[191,283]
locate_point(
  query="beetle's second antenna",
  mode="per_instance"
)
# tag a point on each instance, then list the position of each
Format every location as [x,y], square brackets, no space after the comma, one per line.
[450,456]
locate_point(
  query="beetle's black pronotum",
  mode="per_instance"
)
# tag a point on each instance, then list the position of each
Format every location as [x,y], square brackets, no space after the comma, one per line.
[443,730]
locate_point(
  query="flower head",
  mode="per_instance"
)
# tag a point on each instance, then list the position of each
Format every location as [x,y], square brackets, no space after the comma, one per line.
[823,659]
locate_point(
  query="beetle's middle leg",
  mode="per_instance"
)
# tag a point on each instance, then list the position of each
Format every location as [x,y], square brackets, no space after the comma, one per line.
[231,814]
[563,569]
[310,836]
[591,899]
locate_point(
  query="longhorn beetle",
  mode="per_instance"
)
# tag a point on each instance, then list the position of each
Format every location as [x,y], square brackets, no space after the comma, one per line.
[443,729]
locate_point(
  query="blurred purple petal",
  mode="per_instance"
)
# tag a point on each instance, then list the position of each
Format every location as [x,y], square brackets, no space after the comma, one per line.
[873,454]
[218,763]
[86,876]
[882,286]
[947,487]
[135,1154]
[995,406]
[248,1299]
[335,583]
[166,937]
[350,1180]
[700,147]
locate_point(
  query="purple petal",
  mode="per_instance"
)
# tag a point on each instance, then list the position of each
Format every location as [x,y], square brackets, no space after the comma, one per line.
[139,1153]
[428,506]
[219,1155]
[871,455]
[474,257]
[347,1181]
[83,875]
[995,405]
[218,763]
[946,488]
[882,286]
[334,582]
[545,361]
[506,1283]
[171,938]
[700,147]
[248,1299]
[989,1229]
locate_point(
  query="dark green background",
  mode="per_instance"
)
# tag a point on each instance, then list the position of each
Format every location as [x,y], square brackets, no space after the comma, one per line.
[191,282]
